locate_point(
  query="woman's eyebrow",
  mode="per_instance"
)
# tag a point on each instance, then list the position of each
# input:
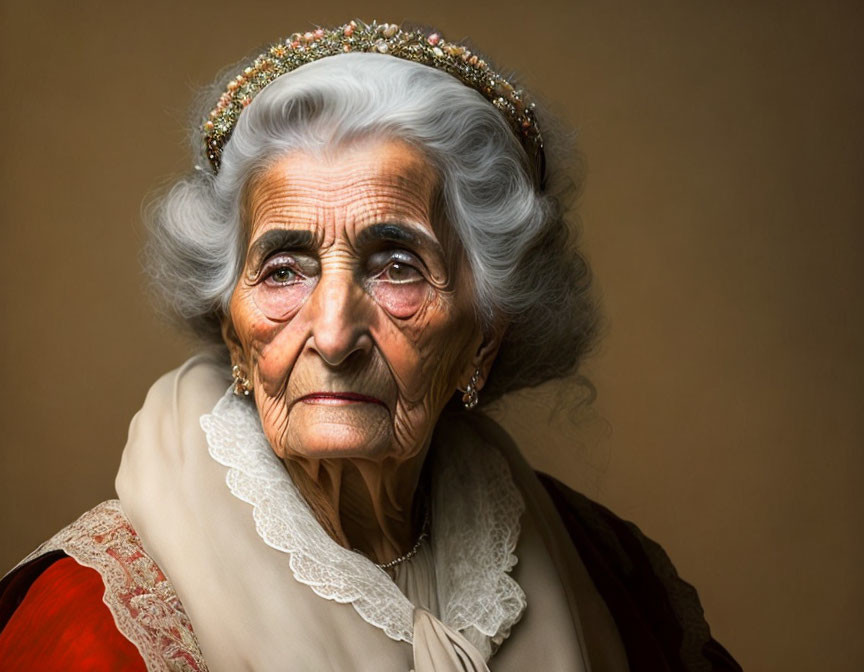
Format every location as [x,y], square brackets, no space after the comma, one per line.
[278,240]
[399,233]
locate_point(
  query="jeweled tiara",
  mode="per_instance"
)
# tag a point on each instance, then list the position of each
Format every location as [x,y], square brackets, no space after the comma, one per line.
[383,38]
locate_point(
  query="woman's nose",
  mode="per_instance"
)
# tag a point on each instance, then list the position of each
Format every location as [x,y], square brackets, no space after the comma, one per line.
[340,318]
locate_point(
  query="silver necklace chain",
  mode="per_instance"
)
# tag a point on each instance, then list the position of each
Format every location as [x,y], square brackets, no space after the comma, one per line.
[424,533]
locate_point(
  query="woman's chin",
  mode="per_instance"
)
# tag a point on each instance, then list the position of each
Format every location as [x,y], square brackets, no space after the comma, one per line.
[352,430]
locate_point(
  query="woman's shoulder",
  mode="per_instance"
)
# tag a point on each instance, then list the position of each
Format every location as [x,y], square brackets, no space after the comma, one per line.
[658,614]
[52,617]
[98,560]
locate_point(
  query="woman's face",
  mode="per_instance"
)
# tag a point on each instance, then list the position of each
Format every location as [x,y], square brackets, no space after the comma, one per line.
[346,317]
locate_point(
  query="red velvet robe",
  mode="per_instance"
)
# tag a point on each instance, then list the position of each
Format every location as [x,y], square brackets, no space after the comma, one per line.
[62,624]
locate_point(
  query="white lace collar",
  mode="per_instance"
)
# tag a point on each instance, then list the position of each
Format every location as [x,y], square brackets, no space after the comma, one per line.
[476,509]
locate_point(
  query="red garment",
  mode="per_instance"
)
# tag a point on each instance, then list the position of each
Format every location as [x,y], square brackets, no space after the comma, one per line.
[63,625]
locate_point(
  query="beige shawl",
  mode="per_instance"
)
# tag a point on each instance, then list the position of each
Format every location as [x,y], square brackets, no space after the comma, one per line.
[257,599]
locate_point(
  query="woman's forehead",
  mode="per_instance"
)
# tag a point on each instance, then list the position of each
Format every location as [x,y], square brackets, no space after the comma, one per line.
[339,192]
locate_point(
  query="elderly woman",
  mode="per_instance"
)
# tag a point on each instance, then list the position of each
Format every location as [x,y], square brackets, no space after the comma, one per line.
[376,247]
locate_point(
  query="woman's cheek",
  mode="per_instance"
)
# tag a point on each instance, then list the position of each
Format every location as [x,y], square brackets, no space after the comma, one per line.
[400,300]
[268,339]
[417,349]
[278,346]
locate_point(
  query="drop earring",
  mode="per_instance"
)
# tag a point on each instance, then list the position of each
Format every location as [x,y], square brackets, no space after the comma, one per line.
[242,385]
[469,397]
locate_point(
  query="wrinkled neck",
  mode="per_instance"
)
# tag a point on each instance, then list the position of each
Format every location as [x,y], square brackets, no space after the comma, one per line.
[375,507]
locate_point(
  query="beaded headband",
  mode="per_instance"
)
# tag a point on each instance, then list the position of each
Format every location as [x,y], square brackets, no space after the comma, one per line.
[385,38]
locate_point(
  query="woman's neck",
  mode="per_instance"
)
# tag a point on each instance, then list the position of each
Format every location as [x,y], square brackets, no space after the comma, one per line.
[364,505]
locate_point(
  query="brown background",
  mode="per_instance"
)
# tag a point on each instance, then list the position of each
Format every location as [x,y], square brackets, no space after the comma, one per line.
[723,217]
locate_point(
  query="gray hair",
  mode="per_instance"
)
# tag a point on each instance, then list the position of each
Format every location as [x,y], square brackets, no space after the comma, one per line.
[516,240]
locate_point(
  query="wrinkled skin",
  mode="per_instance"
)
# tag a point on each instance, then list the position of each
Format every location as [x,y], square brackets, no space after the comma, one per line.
[355,327]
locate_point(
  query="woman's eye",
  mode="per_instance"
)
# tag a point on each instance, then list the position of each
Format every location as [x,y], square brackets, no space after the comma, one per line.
[281,276]
[400,273]
[397,283]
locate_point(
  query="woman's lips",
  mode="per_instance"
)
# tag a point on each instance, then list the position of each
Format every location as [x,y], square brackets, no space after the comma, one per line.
[339,398]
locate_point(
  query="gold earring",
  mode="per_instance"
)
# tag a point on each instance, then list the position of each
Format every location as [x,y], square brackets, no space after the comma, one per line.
[470,398]
[242,385]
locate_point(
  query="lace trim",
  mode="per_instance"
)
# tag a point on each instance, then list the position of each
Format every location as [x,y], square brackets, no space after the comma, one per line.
[478,509]
[475,528]
[145,607]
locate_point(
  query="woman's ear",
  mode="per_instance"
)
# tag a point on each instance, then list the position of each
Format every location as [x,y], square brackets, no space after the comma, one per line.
[235,348]
[487,351]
